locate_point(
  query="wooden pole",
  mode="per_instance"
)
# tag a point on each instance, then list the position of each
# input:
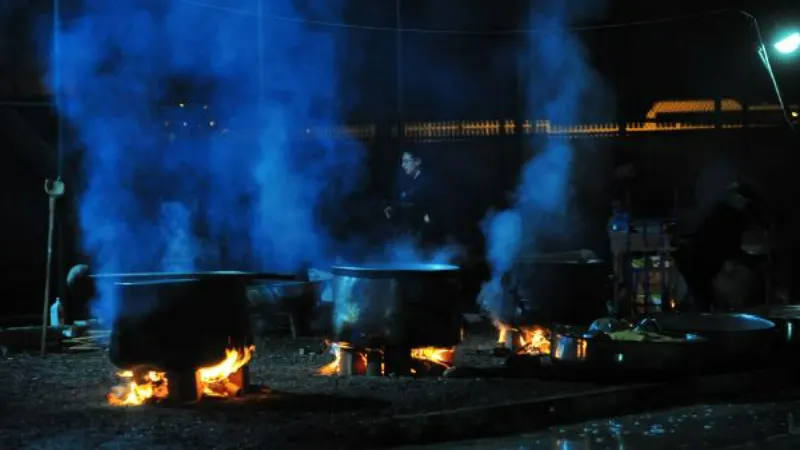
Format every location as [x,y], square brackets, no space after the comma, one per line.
[54,190]
[49,265]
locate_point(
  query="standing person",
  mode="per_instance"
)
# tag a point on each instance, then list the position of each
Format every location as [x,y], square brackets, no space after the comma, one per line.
[718,270]
[411,211]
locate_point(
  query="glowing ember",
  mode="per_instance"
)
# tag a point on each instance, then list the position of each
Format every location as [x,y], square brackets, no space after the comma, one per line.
[533,340]
[214,381]
[439,356]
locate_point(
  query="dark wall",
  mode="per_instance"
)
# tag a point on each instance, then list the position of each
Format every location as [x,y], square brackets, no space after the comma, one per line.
[24,229]
[476,174]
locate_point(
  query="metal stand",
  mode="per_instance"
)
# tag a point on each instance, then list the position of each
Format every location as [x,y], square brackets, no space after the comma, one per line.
[55,190]
[351,362]
[374,363]
[397,360]
[184,386]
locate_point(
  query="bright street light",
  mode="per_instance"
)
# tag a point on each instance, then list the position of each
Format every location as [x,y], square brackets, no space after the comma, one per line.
[789,44]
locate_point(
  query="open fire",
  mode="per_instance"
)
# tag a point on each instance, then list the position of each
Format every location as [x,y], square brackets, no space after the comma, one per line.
[224,379]
[529,340]
[429,358]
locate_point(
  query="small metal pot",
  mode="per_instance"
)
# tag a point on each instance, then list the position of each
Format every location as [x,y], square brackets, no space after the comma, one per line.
[597,351]
[412,305]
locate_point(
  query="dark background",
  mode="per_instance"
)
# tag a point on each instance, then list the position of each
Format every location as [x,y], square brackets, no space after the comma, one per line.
[451,76]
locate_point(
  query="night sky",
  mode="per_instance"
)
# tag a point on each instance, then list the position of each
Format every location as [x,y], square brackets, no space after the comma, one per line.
[704,56]
[464,75]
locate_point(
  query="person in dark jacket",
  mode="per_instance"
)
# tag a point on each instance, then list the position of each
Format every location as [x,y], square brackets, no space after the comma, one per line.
[715,246]
[411,211]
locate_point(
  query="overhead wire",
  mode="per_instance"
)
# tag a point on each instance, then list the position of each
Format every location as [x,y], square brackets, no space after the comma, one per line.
[513,31]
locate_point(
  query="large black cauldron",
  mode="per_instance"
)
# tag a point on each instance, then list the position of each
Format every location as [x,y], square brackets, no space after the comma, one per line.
[559,289]
[405,306]
[178,322]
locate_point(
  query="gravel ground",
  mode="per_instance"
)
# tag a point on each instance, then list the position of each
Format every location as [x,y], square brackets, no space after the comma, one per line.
[59,402]
[750,423]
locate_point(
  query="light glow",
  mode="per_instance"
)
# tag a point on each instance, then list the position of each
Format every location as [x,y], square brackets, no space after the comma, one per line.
[789,44]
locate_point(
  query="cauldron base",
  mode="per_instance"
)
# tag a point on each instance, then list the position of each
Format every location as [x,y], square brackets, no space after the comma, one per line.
[370,362]
[185,386]
[386,361]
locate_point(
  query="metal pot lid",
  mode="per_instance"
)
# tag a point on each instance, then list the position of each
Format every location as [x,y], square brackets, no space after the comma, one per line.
[395,269]
[702,323]
[191,275]
[156,282]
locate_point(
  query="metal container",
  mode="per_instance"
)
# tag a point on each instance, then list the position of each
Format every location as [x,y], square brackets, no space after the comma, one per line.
[177,323]
[595,351]
[734,339]
[787,321]
[560,289]
[405,306]
[301,299]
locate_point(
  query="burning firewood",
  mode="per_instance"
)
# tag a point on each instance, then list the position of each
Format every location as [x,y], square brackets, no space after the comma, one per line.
[531,340]
[230,389]
[430,361]
[223,380]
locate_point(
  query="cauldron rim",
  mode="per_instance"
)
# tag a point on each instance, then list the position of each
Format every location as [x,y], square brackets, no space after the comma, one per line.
[569,262]
[125,276]
[152,282]
[389,270]
[705,323]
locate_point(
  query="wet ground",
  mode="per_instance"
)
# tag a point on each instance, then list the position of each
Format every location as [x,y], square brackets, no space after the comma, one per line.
[773,425]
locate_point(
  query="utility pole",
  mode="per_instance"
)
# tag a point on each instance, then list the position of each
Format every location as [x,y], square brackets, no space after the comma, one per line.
[399,60]
[261,57]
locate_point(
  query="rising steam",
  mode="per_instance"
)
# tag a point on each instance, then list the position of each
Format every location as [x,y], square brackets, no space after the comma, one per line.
[560,80]
[180,153]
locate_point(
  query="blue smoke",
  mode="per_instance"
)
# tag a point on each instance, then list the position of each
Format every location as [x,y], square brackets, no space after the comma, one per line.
[560,80]
[189,162]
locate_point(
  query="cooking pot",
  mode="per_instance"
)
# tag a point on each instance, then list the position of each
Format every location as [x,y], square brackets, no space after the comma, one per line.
[734,339]
[301,299]
[177,322]
[560,288]
[595,353]
[397,305]
[787,321]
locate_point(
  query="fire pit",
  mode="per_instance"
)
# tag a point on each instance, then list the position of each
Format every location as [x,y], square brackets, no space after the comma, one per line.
[180,337]
[529,340]
[395,319]
[431,361]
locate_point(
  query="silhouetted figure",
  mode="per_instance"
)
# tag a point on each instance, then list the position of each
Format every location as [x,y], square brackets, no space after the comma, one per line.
[716,245]
[412,210]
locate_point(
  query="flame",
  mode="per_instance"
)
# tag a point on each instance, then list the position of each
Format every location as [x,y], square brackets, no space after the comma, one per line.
[154,386]
[333,367]
[532,340]
[442,356]
[436,355]
[214,379]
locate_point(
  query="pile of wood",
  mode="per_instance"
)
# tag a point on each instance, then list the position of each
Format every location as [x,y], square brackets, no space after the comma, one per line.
[88,341]
[81,337]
